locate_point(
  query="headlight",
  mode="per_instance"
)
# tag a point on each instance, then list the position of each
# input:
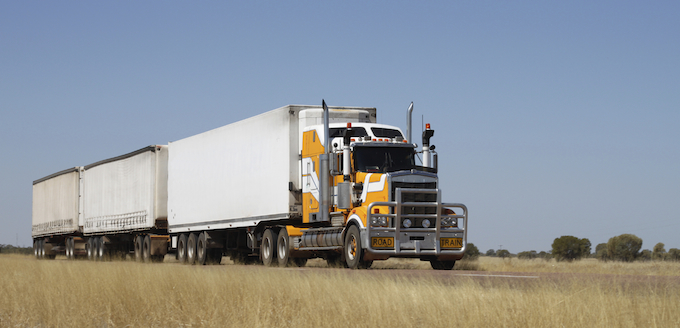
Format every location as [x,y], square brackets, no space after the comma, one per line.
[449,222]
[406,223]
[426,223]
[379,221]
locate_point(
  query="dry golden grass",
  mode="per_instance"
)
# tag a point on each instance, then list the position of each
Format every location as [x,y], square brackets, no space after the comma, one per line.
[126,294]
[651,268]
[495,264]
[407,264]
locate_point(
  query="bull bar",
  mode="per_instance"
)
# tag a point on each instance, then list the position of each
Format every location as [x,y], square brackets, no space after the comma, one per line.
[394,227]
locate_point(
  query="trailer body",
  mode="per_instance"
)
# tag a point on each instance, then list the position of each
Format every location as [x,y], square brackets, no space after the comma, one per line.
[244,173]
[117,206]
[126,193]
[56,203]
[56,208]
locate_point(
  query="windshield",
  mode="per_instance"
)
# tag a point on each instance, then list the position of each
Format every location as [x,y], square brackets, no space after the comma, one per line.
[340,132]
[386,133]
[383,159]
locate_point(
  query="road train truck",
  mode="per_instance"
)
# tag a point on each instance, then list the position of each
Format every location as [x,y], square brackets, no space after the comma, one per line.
[302,182]
[294,183]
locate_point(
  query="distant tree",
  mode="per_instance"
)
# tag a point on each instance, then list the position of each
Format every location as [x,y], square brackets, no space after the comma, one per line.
[645,255]
[569,248]
[658,252]
[601,252]
[625,247]
[491,252]
[503,253]
[471,252]
[673,255]
[528,255]
[545,255]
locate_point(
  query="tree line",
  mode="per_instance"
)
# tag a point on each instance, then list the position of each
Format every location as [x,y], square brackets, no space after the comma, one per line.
[625,247]
[9,249]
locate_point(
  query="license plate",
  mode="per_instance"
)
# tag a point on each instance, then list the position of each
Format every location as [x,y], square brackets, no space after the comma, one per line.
[451,242]
[382,242]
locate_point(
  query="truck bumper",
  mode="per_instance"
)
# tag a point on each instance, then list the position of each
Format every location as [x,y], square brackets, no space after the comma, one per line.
[434,242]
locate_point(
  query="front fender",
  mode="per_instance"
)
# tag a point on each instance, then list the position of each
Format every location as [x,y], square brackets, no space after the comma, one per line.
[358,216]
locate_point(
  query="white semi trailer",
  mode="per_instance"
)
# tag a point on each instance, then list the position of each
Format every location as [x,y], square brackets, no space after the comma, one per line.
[56,212]
[300,182]
[294,183]
[115,206]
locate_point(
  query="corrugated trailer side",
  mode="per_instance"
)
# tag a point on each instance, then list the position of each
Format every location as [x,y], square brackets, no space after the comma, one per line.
[125,204]
[56,211]
[121,194]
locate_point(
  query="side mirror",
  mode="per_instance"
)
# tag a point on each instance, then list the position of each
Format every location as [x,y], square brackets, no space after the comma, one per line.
[344,195]
[435,160]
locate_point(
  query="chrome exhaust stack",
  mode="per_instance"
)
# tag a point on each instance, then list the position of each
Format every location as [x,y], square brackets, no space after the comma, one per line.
[324,175]
[409,113]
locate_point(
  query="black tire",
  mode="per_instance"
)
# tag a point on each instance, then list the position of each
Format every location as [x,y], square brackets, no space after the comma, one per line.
[42,249]
[191,249]
[70,248]
[67,248]
[95,248]
[283,248]
[139,241]
[268,248]
[146,249]
[182,249]
[442,265]
[91,242]
[73,248]
[101,249]
[352,250]
[36,247]
[201,249]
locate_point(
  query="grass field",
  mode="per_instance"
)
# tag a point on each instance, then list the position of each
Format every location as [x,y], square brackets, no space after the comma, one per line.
[652,268]
[60,293]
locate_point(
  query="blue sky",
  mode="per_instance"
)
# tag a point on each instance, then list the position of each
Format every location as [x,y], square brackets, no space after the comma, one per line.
[551,118]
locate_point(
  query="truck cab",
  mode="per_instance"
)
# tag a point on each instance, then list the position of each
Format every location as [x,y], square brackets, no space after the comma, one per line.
[382,203]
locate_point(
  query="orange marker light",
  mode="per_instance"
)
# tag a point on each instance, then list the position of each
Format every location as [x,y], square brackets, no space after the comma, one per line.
[427,126]
[376,211]
[349,125]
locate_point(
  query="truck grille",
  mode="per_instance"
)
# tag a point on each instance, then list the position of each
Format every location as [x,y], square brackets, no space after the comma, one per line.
[416,197]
